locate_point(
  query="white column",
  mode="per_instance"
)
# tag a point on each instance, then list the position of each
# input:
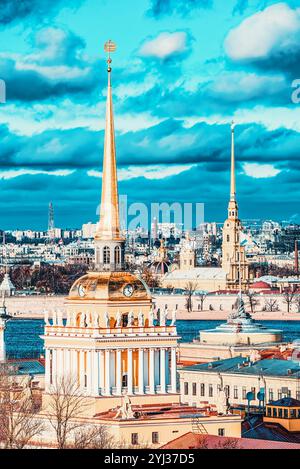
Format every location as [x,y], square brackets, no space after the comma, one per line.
[107,372]
[95,373]
[141,371]
[73,364]
[163,371]
[151,371]
[173,370]
[89,372]
[58,363]
[129,372]
[54,375]
[102,369]
[119,373]
[47,370]
[82,370]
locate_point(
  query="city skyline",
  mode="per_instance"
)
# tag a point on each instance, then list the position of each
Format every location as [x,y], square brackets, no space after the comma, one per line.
[176,89]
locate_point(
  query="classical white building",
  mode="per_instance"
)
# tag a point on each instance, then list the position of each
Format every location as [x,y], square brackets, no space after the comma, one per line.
[111,342]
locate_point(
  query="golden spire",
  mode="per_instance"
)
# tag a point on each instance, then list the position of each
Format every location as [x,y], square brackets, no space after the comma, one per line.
[232,175]
[109,226]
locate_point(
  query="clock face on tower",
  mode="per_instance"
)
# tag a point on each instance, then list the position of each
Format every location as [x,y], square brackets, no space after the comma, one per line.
[128,290]
[81,290]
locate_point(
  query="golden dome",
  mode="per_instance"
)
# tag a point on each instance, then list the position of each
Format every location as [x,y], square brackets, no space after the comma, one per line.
[116,286]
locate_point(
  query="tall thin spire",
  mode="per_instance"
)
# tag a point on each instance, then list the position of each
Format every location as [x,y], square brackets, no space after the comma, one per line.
[109,226]
[232,173]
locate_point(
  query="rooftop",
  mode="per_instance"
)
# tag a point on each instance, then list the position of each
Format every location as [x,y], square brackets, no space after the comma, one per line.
[240,365]
[191,440]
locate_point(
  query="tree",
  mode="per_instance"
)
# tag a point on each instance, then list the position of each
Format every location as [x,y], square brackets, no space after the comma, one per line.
[228,443]
[190,289]
[201,297]
[288,298]
[66,405]
[93,437]
[252,299]
[18,411]
[271,304]
[297,302]
[151,280]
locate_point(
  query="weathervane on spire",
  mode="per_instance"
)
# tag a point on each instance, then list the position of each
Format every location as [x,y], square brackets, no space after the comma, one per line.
[109,47]
[232,125]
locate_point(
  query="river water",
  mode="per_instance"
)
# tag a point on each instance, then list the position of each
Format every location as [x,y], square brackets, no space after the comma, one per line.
[23,340]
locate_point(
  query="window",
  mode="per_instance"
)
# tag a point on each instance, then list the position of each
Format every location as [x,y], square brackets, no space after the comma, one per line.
[280,413]
[186,389]
[271,394]
[124,381]
[202,389]
[279,394]
[274,412]
[117,255]
[134,438]
[235,392]
[124,320]
[298,395]
[210,390]
[227,391]
[221,431]
[228,238]
[155,439]
[194,387]
[286,413]
[244,392]
[106,255]
[269,411]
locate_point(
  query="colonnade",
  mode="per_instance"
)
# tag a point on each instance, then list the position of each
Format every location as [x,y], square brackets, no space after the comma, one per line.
[114,371]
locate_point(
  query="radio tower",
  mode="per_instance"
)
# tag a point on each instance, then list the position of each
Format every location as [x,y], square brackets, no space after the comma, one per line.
[51,217]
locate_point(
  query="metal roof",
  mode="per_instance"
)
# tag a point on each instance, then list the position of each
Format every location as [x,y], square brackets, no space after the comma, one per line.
[240,365]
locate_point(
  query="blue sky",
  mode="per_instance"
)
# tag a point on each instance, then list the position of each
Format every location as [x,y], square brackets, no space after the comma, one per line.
[182,71]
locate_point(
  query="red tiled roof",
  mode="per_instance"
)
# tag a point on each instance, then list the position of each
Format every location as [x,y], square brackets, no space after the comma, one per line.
[191,440]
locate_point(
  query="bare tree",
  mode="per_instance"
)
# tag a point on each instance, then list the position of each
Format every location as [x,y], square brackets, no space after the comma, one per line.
[297,302]
[271,304]
[252,299]
[93,437]
[66,405]
[190,288]
[288,298]
[201,297]
[19,424]
[228,443]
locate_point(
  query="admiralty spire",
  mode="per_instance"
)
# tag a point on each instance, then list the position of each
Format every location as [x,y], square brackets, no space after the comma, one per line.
[109,244]
[234,261]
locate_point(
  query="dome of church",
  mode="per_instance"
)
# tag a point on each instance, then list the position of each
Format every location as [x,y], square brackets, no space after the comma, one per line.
[120,286]
[160,267]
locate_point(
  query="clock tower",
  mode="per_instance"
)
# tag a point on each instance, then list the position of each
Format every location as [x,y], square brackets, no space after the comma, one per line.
[111,342]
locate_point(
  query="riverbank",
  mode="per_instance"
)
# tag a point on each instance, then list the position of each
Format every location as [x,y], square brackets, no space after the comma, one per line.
[222,315]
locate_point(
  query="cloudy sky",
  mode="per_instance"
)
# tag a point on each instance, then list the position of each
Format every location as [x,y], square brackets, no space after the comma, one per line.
[182,71]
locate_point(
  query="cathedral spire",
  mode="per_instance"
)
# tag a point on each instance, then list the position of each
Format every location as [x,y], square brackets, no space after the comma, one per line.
[232,173]
[232,206]
[109,226]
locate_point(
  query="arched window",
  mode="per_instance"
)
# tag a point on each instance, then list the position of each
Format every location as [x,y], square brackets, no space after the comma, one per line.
[228,238]
[106,255]
[117,255]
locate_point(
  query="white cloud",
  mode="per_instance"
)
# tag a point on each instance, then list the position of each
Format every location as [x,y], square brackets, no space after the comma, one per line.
[165,45]
[13,173]
[260,171]
[147,172]
[257,35]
